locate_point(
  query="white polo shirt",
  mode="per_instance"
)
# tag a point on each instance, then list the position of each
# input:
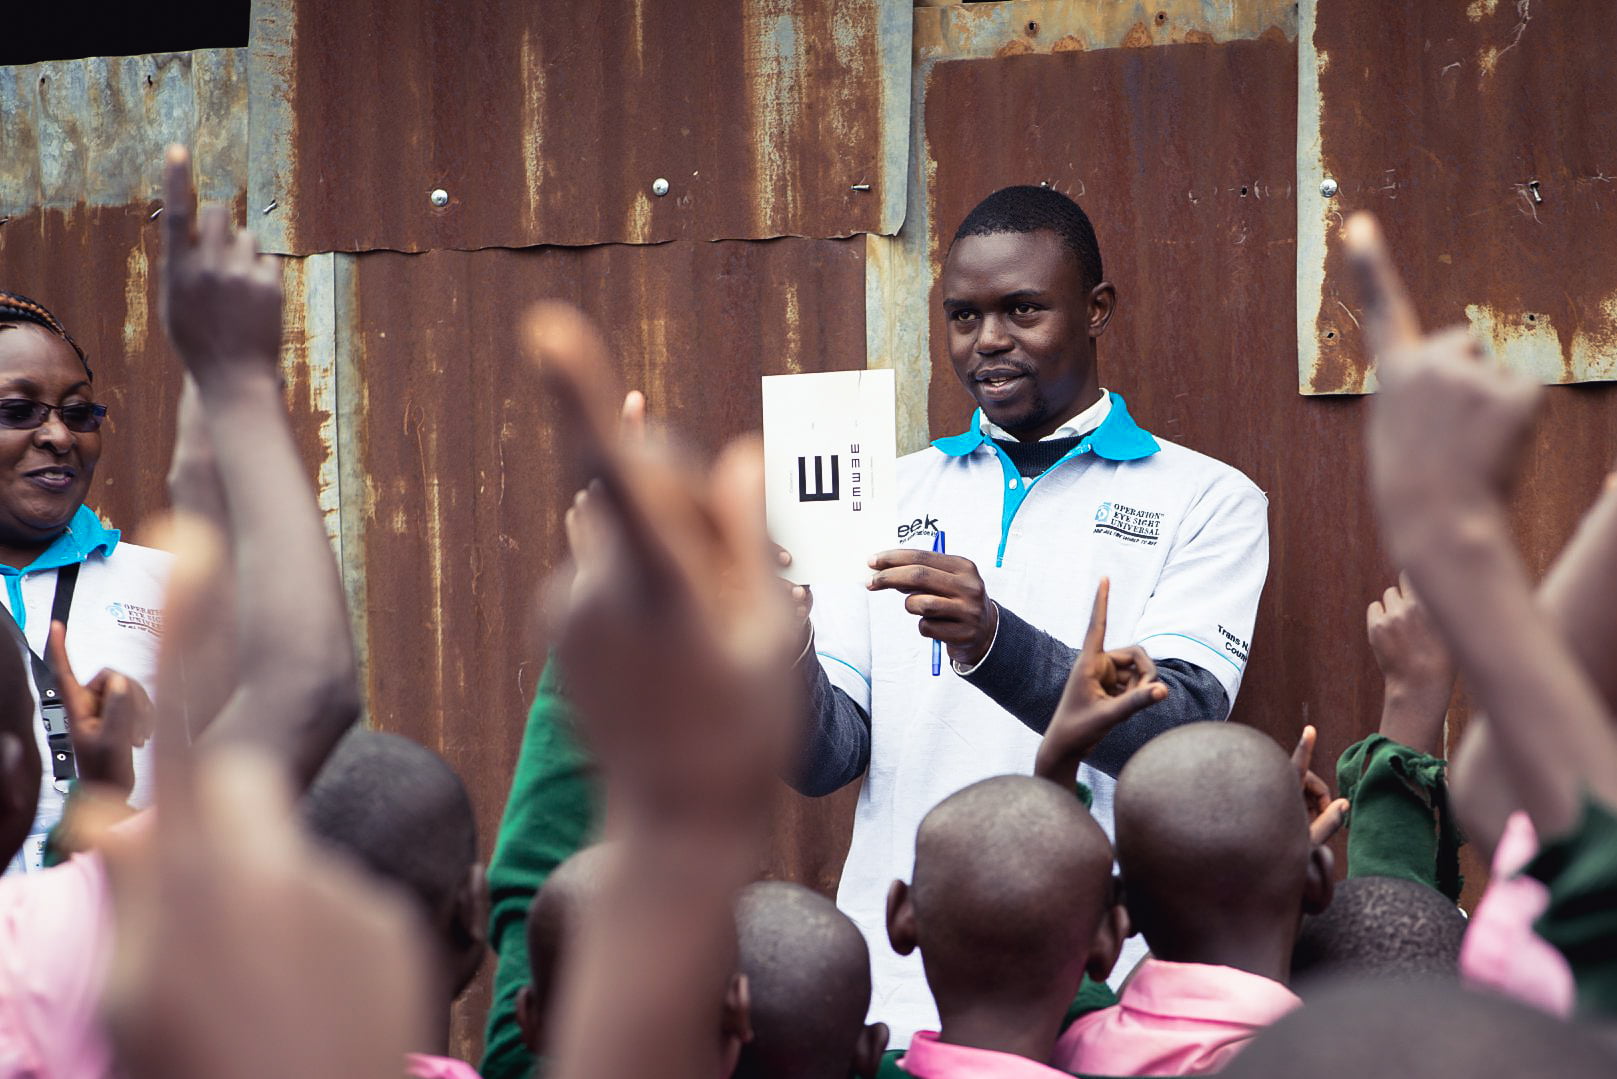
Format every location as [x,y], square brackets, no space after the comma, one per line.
[1184,539]
[115,622]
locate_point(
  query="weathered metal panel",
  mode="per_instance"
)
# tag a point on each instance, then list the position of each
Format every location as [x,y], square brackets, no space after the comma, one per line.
[900,269]
[549,123]
[1483,136]
[95,268]
[91,132]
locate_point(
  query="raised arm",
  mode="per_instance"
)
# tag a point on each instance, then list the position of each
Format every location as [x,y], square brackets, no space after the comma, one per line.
[296,688]
[1443,440]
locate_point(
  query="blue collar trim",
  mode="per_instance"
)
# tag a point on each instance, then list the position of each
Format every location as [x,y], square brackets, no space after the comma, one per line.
[1118,438]
[84,536]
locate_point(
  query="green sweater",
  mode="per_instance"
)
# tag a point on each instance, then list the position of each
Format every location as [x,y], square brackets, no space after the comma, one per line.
[550,812]
[1399,824]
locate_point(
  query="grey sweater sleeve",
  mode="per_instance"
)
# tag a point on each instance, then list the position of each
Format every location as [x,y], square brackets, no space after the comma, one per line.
[836,743]
[1026,670]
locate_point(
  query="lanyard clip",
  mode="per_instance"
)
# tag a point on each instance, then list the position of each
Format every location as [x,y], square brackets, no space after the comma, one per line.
[63,765]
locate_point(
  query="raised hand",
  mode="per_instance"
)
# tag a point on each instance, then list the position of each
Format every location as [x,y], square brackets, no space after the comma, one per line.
[242,951]
[107,718]
[1326,815]
[220,299]
[1415,666]
[1104,689]
[675,645]
[679,632]
[948,594]
[1445,432]
[1447,427]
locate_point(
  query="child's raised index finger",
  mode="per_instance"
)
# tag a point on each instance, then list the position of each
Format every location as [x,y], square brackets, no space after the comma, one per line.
[1389,317]
[179,199]
[70,687]
[1303,756]
[576,370]
[1095,635]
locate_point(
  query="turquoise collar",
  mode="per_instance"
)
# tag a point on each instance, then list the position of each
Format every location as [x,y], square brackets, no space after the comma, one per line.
[84,536]
[1118,438]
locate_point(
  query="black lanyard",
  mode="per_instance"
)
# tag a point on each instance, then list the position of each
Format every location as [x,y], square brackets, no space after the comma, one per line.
[52,709]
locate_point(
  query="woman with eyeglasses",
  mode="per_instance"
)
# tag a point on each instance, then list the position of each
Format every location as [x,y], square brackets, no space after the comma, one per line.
[58,562]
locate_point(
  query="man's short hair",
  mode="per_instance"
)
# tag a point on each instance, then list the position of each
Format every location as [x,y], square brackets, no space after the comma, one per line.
[1027,208]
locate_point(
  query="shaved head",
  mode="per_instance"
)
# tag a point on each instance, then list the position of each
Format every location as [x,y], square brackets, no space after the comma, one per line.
[1425,1030]
[1210,809]
[808,972]
[1012,878]
[1380,927]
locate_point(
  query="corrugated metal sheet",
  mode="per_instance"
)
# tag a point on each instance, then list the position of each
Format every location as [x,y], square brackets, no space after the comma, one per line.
[92,132]
[549,123]
[902,267]
[1482,135]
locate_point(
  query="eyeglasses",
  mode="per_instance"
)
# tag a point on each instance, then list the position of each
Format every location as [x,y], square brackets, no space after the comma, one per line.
[22,414]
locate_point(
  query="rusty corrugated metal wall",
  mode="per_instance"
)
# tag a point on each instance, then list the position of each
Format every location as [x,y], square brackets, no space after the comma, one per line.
[1175,123]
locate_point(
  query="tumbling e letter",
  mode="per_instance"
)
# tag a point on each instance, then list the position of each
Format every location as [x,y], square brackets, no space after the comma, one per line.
[819,493]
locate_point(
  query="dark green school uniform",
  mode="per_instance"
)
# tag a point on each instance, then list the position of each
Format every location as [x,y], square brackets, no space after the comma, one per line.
[1400,824]
[1580,870]
[549,814]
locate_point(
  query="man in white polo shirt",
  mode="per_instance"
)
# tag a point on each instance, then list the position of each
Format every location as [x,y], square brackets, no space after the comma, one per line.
[1052,486]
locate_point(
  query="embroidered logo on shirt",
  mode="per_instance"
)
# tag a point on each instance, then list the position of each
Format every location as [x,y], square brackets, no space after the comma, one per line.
[921,526]
[129,616]
[1128,524]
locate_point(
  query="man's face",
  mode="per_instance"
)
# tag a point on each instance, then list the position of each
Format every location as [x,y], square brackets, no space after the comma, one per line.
[1021,327]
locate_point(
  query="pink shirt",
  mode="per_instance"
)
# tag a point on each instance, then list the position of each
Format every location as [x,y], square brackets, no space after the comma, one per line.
[426,1066]
[930,1058]
[55,941]
[1174,1019]
[1500,951]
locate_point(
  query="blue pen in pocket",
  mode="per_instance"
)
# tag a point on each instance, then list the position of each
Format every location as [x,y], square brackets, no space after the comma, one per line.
[937,646]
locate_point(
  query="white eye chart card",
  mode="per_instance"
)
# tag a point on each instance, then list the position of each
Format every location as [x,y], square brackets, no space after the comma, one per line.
[830,461]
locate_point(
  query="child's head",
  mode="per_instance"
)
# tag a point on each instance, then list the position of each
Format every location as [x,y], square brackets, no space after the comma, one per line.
[1010,900]
[1213,848]
[20,767]
[402,813]
[1434,1031]
[808,981]
[553,916]
[1380,927]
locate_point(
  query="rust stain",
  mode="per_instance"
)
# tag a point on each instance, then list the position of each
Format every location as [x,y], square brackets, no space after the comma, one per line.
[1198,37]
[1138,37]
[1068,43]
[1508,232]
[1015,47]
[549,124]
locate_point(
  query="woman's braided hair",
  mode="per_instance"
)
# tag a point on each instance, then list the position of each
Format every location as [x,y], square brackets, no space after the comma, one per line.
[15,307]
